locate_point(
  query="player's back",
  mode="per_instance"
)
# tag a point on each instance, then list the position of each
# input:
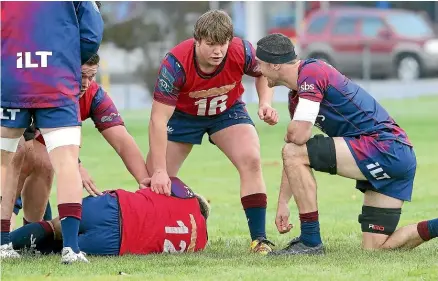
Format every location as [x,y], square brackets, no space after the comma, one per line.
[41,55]
[154,223]
[346,109]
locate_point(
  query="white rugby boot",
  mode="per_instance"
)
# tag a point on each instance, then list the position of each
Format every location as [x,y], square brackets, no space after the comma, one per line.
[8,252]
[69,256]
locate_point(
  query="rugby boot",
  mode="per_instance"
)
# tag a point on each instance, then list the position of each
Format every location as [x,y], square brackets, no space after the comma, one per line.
[8,252]
[296,247]
[261,246]
[69,256]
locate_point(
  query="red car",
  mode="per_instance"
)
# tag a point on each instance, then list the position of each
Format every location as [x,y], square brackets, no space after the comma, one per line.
[400,43]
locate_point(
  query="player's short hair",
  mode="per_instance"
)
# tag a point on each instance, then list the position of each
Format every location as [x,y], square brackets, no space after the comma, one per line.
[95,59]
[276,48]
[214,26]
[204,205]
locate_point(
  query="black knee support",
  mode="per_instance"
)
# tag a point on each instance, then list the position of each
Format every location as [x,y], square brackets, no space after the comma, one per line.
[379,220]
[322,154]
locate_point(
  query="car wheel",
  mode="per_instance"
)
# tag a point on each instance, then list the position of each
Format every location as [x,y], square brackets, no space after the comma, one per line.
[408,68]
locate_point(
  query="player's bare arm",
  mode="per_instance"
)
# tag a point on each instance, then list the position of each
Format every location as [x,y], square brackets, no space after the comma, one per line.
[265,112]
[160,115]
[298,132]
[128,150]
[283,213]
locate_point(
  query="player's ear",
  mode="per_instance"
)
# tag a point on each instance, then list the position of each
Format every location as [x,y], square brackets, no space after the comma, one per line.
[275,67]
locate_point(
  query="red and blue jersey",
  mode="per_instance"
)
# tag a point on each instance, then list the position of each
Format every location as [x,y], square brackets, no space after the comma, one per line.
[346,109]
[182,84]
[42,49]
[96,104]
[156,223]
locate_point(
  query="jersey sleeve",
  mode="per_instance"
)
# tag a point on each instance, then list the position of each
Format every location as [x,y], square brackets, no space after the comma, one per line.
[90,28]
[104,112]
[312,82]
[171,79]
[251,66]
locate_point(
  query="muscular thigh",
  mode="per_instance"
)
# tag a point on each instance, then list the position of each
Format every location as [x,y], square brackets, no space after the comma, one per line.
[240,143]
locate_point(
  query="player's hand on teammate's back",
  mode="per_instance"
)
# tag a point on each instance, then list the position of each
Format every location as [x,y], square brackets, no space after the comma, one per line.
[88,182]
[160,182]
[282,218]
[268,114]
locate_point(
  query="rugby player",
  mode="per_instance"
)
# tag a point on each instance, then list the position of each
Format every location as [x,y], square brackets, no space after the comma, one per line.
[198,91]
[31,164]
[363,143]
[120,222]
[44,45]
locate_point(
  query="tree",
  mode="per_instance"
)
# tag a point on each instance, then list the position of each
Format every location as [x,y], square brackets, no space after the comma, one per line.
[155,30]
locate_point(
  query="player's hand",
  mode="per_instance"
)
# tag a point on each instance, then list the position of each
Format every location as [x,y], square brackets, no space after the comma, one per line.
[88,183]
[160,182]
[145,183]
[282,218]
[268,114]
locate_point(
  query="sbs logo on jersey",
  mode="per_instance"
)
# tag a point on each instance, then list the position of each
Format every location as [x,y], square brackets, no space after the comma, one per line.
[307,87]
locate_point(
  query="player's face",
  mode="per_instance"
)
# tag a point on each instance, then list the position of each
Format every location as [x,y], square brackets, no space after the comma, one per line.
[88,75]
[268,70]
[212,54]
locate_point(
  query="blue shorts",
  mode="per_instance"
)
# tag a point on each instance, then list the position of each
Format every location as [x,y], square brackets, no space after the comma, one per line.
[55,117]
[100,228]
[183,127]
[388,165]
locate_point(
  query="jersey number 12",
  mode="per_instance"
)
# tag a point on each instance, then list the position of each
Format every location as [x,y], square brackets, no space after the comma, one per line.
[168,246]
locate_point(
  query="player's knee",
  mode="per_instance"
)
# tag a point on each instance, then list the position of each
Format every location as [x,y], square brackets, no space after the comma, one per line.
[292,154]
[379,220]
[249,162]
[62,137]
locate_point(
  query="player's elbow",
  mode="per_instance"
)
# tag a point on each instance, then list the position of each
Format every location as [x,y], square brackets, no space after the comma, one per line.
[298,139]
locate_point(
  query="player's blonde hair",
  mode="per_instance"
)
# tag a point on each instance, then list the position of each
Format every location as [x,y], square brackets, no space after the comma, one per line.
[214,26]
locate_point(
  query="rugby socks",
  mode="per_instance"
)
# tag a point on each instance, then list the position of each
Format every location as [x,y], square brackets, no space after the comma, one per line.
[255,210]
[48,213]
[70,215]
[310,235]
[5,229]
[31,235]
[428,229]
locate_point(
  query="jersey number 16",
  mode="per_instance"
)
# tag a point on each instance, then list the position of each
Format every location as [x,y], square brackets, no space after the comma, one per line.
[215,103]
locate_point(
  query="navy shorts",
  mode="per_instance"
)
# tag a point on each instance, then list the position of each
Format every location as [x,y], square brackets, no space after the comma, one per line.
[56,117]
[100,228]
[186,128]
[388,165]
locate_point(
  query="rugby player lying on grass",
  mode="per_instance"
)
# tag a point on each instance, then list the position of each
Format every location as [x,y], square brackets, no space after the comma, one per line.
[120,222]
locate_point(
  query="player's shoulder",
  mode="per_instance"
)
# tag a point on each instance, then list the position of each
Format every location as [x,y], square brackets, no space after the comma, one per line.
[236,48]
[316,68]
[183,49]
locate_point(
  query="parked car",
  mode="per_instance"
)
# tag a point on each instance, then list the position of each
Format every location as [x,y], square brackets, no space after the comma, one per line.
[399,43]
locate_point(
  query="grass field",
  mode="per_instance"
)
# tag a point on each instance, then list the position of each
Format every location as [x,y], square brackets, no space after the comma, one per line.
[208,172]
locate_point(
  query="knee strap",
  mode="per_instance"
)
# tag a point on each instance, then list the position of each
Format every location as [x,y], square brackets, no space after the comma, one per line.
[322,154]
[379,220]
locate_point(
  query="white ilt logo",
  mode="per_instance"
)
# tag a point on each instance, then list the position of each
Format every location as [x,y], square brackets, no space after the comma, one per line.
[377,172]
[43,55]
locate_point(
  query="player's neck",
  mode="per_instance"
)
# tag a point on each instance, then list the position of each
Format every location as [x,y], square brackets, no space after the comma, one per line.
[288,80]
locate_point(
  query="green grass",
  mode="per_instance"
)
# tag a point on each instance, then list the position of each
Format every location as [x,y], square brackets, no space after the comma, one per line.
[208,172]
